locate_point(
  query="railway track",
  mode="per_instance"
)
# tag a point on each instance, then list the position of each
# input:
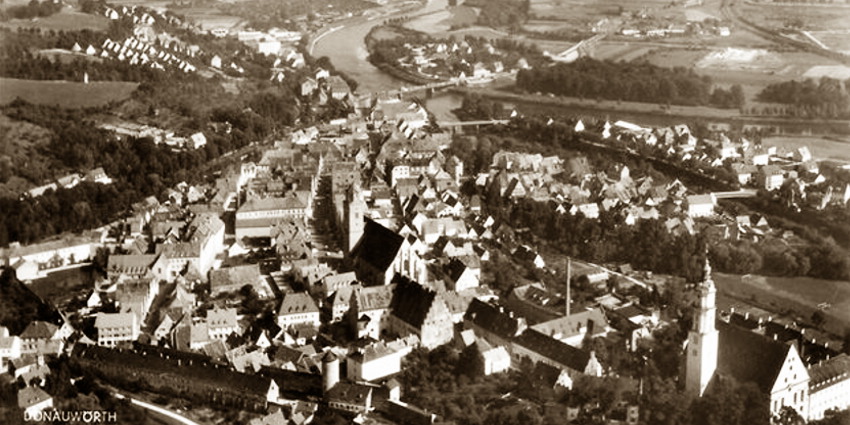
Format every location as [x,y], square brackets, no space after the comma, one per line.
[729,12]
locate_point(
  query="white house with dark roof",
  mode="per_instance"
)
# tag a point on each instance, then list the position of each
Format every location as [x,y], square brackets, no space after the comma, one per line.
[298,308]
[41,337]
[113,328]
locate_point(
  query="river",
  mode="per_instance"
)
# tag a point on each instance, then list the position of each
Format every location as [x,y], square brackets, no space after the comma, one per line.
[347,50]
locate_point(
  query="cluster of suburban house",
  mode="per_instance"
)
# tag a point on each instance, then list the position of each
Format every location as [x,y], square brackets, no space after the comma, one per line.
[574,186]
[463,60]
[98,175]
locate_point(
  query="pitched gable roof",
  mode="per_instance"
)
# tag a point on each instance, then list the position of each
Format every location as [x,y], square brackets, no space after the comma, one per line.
[297,303]
[557,351]
[749,357]
[493,319]
[411,302]
[378,247]
[594,319]
[39,330]
[30,396]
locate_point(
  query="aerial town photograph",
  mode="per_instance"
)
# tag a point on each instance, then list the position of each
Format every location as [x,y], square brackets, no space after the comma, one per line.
[417,212]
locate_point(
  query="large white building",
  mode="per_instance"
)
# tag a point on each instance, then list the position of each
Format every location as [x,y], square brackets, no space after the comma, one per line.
[113,328]
[298,308]
[829,386]
[204,240]
[373,362]
[256,217]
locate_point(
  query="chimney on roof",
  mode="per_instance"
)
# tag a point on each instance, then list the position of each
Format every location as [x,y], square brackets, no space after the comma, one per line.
[731,310]
[774,337]
[746,315]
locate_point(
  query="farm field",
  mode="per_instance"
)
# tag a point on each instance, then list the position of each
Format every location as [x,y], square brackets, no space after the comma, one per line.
[799,295]
[820,148]
[837,40]
[67,94]
[811,17]
[210,18]
[672,57]
[62,21]
[441,22]
[838,72]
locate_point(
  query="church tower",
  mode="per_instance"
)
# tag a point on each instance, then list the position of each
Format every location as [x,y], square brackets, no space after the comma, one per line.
[353,210]
[702,339]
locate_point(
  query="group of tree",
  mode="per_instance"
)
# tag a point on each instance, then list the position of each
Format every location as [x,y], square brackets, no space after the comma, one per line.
[647,245]
[775,258]
[510,14]
[19,305]
[826,98]
[33,9]
[448,384]
[640,82]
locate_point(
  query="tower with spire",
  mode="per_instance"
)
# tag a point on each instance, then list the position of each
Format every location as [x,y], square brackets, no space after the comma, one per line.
[702,339]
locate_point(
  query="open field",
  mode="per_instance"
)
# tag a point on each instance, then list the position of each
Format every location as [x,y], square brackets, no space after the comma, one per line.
[66,56]
[440,22]
[819,147]
[565,8]
[799,295]
[838,40]
[65,93]
[63,21]
[210,17]
[671,57]
[818,18]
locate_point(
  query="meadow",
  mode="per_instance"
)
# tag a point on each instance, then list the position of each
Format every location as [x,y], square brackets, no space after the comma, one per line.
[799,296]
[66,94]
[66,20]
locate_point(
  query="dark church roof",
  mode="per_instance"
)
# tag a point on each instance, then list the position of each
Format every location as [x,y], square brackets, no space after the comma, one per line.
[378,246]
[411,301]
[749,357]
[554,350]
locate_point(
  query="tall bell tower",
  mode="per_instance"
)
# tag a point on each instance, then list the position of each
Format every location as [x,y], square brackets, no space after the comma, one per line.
[702,339]
[354,210]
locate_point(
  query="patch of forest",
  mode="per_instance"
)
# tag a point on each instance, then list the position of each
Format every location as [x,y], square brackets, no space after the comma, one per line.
[826,98]
[640,82]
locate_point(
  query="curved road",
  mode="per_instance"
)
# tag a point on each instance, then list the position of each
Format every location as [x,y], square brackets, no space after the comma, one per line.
[159,410]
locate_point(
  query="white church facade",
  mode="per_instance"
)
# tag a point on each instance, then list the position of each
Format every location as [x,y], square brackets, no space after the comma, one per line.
[718,348]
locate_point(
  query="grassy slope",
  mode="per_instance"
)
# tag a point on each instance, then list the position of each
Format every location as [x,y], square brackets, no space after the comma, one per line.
[65,93]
